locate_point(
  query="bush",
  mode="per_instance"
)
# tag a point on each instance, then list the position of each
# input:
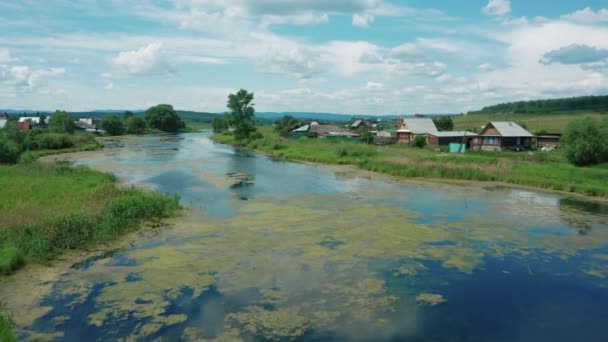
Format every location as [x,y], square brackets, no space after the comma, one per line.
[53,141]
[9,151]
[62,122]
[164,117]
[586,142]
[135,125]
[11,259]
[112,125]
[420,141]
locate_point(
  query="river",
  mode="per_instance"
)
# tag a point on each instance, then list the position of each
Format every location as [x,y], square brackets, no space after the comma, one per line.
[313,253]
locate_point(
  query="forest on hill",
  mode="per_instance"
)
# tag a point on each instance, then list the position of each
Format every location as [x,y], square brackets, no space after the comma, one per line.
[583,103]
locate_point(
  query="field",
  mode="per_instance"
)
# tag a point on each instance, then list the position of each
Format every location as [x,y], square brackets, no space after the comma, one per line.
[547,170]
[553,123]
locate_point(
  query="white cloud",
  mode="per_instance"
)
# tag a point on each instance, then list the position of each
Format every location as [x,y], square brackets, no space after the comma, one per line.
[297,62]
[109,86]
[485,67]
[295,19]
[588,16]
[148,60]
[5,56]
[374,86]
[362,20]
[498,7]
[25,77]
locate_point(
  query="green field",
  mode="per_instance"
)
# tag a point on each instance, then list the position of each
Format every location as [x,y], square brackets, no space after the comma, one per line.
[548,170]
[553,123]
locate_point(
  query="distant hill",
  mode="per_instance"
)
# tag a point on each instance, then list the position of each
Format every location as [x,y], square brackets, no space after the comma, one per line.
[549,106]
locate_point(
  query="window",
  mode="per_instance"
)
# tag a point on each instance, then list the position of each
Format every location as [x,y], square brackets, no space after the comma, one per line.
[491,141]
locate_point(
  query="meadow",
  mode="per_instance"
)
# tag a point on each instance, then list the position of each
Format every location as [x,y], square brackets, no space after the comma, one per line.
[548,170]
[552,123]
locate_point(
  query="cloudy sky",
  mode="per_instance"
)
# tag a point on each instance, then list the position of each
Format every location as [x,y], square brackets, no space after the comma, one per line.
[341,56]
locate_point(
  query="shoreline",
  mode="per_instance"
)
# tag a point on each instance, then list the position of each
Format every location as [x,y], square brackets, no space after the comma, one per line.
[423,180]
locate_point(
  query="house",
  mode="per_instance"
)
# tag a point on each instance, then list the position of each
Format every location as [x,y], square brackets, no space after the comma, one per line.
[34,120]
[548,141]
[299,132]
[446,138]
[360,124]
[502,135]
[90,121]
[386,136]
[331,132]
[25,126]
[410,128]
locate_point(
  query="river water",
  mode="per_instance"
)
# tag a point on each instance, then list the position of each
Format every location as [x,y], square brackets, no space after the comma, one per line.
[311,253]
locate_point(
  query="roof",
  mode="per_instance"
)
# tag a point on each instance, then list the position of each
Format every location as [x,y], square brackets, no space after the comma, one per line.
[356,123]
[3,122]
[34,119]
[418,126]
[392,130]
[510,129]
[453,134]
[301,129]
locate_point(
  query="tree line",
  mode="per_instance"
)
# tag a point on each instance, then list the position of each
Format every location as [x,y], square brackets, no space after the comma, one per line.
[587,103]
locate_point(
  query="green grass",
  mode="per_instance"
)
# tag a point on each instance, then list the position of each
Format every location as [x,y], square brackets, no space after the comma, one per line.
[548,170]
[47,208]
[553,123]
[11,259]
[7,331]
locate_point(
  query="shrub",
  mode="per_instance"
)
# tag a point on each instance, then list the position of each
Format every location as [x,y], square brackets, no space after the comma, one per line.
[112,125]
[586,142]
[420,141]
[135,125]
[53,141]
[9,151]
[11,259]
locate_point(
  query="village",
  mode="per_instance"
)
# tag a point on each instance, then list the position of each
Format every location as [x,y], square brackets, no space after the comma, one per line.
[494,136]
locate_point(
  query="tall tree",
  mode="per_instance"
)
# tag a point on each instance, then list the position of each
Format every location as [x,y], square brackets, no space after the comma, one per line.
[164,117]
[62,122]
[242,114]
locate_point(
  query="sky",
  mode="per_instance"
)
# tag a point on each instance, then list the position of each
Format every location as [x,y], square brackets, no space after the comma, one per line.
[337,56]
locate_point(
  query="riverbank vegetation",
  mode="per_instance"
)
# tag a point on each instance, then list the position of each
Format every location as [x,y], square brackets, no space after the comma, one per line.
[549,170]
[47,209]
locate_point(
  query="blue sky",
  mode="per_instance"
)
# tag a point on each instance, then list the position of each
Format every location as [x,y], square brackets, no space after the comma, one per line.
[341,56]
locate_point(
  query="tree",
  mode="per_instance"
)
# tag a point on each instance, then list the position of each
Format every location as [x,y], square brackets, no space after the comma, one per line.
[62,122]
[444,123]
[219,124]
[135,125]
[164,117]
[112,125]
[586,142]
[127,114]
[11,143]
[367,136]
[242,114]
[285,125]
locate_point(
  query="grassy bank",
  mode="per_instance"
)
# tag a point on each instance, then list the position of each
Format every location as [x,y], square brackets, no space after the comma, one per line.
[547,170]
[47,209]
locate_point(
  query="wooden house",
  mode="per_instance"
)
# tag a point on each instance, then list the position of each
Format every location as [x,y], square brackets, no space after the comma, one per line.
[502,135]
[410,128]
